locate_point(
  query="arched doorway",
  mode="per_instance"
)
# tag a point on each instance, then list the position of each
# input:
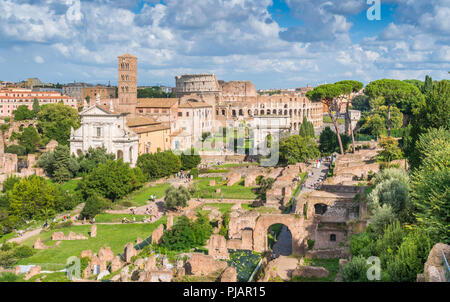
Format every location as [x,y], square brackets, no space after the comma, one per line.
[119,154]
[279,240]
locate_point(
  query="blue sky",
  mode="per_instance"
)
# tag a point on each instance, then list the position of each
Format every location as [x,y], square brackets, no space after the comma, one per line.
[275,44]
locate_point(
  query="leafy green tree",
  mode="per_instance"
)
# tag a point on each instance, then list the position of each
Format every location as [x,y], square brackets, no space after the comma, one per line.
[382,216]
[160,164]
[391,151]
[375,122]
[417,83]
[406,97]
[9,183]
[307,128]
[295,148]
[16,149]
[36,107]
[33,197]
[176,198]
[328,141]
[56,120]
[30,139]
[428,85]
[361,103]
[434,113]
[22,113]
[93,157]
[429,189]
[190,160]
[112,180]
[329,95]
[265,184]
[94,205]
[59,164]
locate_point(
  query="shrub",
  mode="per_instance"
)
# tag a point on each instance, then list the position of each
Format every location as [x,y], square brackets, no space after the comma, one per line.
[9,183]
[355,270]
[410,258]
[392,173]
[381,218]
[9,277]
[310,243]
[23,251]
[16,149]
[176,197]
[194,173]
[94,205]
[362,245]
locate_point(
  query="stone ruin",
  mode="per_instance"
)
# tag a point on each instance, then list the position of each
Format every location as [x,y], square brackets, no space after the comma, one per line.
[203,265]
[71,236]
[34,270]
[169,221]
[129,252]
[282,188]
[94,230]
[250,179]
[157,234]
[50,147]
[434,267]
[233,178]
[39,245]
[229,275]
[217,247]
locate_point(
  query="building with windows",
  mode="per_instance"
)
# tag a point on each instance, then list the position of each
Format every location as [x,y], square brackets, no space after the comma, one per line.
[153,136]
[12,98]
[101,127]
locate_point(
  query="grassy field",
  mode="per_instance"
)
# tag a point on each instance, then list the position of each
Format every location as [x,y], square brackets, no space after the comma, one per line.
[236,191]
[140,197]
[332,265]
[114,236]
[104,217]
[327,119]
[223,207]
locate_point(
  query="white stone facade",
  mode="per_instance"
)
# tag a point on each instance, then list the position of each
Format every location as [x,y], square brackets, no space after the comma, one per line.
[101,127]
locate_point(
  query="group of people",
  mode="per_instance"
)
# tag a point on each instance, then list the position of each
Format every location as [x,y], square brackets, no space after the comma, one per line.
[186,176]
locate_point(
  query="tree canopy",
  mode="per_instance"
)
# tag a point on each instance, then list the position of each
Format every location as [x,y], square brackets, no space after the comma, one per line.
[56,120]
[22,113]
[296,149]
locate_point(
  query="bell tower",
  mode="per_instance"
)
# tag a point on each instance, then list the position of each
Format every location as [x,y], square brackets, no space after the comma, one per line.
[127,83]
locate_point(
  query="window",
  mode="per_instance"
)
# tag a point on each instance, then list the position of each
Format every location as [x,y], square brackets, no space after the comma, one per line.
[187,113]
[99,131]
[180,113]
[333,237]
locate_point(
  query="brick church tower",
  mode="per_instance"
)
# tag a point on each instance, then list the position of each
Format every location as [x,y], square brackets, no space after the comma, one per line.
[127,83]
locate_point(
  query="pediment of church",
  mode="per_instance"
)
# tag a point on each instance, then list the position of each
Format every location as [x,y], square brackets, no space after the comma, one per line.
[95,110]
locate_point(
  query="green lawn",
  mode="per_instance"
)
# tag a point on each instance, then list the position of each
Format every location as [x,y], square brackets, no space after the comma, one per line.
[327,119]
[114,236]
[140,198]
[236,191]
[332,265]
[104,217]
[71,185]
[223,207]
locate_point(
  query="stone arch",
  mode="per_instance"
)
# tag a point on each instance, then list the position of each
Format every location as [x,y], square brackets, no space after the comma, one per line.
[274,111]
[119,154]
[320,208]
[291,221]
[79,152]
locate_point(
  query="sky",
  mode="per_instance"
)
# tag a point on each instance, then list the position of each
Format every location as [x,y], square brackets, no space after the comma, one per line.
[273,43]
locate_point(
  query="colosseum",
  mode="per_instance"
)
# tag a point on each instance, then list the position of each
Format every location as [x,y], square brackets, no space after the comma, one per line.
[237,101]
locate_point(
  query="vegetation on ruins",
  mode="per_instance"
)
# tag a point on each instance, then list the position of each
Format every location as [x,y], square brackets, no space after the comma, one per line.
[56,120]
[153,92]
[22,113]
[59,164]
[186,234]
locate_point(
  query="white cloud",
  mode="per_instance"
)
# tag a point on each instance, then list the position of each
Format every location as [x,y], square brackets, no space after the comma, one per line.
[39,59]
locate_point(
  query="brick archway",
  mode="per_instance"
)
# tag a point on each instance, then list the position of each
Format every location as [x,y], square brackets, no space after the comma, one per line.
[293,222]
